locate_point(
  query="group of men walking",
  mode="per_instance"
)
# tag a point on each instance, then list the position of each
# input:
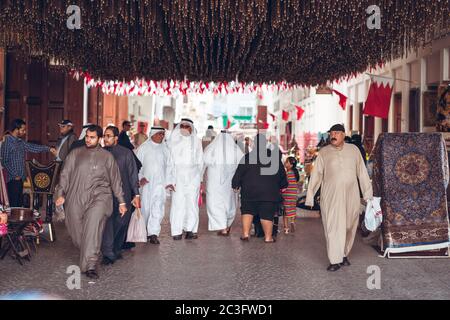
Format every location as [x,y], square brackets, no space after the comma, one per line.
[99,187]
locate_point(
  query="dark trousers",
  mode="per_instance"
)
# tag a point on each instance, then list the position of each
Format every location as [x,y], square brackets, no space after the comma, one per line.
[115,233]
[15,193]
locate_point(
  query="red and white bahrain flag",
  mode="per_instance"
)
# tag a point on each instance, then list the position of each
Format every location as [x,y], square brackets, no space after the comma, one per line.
[379,97]
[342,99]
[300,112]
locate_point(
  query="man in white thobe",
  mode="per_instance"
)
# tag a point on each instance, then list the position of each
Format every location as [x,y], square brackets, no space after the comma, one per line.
[155,177]
[187,153]
[337,170]
[221,159]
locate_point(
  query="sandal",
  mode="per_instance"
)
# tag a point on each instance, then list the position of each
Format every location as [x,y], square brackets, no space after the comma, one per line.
[244,238]
[286,230]
[270,241]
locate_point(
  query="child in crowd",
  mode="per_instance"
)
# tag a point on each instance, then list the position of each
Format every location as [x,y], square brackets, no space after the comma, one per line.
[290,195]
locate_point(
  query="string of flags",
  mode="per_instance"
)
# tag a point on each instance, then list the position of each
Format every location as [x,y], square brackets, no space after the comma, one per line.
[143,87]
[285,115]
[377,103]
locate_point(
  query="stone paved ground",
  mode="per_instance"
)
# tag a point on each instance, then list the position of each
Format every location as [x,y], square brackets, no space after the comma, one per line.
[214,267]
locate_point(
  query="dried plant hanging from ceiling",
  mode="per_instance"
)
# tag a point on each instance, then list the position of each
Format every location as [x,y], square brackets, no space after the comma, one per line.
[301,42]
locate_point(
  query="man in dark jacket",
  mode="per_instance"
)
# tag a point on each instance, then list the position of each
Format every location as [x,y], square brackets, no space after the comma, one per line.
[66,139]
[124,139]
[260,176]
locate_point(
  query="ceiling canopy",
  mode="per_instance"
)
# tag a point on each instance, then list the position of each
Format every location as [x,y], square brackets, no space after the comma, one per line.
[303,42]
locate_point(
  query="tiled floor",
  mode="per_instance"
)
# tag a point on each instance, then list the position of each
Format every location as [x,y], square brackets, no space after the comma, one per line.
[214,267]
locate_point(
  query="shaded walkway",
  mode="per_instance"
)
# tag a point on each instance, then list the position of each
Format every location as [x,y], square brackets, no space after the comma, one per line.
[214,267]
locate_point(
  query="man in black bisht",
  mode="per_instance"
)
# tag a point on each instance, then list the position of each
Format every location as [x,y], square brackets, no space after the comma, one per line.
[116,227]
[124,139]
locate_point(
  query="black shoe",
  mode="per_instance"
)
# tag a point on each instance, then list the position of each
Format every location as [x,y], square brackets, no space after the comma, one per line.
[128,245]
[345,262]
[92,274]
[107,261]
[189,235]
[153,239]
[333,267]
[179,237]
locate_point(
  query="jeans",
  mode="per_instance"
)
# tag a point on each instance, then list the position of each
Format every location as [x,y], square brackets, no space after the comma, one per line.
[15,193]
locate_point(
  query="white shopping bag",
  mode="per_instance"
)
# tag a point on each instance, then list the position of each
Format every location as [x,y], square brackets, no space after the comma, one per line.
[137,231]
[374,216]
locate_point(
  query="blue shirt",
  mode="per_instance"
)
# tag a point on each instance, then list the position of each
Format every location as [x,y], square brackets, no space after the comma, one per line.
[13,156]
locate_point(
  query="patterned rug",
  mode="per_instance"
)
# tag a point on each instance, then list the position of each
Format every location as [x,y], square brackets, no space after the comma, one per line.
[411,176]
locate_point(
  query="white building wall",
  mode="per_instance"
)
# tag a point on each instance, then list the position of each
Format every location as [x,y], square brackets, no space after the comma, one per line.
[425,67]
[321,112]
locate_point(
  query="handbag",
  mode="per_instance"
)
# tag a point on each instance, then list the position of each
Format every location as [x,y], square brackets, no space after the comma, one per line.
[137,231]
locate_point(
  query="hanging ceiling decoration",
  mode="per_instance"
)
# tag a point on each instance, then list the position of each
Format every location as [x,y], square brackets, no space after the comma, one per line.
[301,42]
[142,87]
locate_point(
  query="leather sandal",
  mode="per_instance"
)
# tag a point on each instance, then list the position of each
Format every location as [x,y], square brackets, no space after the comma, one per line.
[244,238]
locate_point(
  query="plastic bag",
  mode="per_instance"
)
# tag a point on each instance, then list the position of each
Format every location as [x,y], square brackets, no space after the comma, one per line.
[60,214]
[137,231]
[373,216]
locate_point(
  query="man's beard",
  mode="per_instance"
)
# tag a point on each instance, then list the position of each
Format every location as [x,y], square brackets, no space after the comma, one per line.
[92,146]
[185,133]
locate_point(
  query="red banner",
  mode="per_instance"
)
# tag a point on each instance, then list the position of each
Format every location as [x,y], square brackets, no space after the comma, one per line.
[379,97]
